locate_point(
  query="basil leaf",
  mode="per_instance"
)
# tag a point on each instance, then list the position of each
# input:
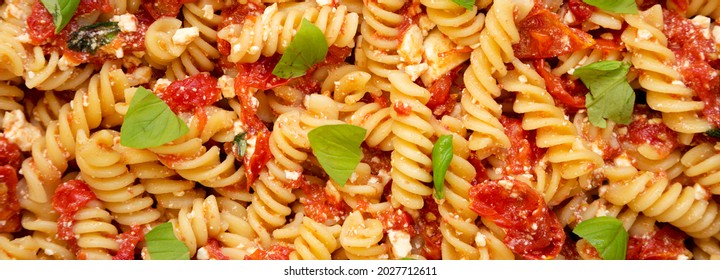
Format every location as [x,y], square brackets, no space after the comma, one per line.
[240,143]
[61,11]
[149,122]
[163,245]
[307,48]
[611,96]
[617,6]
[715,132]
[91,37]
[606,234]
[337,148]
[442,155]
[467,4]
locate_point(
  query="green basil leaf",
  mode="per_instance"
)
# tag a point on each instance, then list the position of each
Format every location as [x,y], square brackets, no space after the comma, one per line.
[407,259]
[307,48]
[715,132]
[611,96]
[467,4]
[606,234]
[61,11]
[163,245]
[240,143]
[617,6]
[442,155]
[337,148]
[149,122]
[91,37]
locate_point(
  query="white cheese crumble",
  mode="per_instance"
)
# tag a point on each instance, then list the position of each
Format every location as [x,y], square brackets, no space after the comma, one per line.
[208,12]
[704,24]
[226,85]
[480,240]
[184,36]
[701,193]
[202,254]
[324,2]
[292,175]
[161,84]
[644,34]
[17,130]
[410,51]
[126,22]
[400,242]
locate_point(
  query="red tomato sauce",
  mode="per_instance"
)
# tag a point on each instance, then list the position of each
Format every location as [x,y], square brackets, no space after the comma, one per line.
[128,241]
[9,204]
[276,252]
[693,52]
[533,230]
[664,244]
[569,93]
[523,153]
[397,219]
[580,10]
[193,92]
[68,199]
[428,225]
[647,128]
[236,15]
[441,101]
[215,250]
[322,206]
[543,35]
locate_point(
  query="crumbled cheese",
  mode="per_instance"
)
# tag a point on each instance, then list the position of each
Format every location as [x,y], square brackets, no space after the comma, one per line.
[238,127]
[265,20]
[226,85]
[64,64]
[703,23]
[409,50]
[324,2]
[161,84]
[141,75]
[569,18]
[644,34]
[184,36]
[678,83]
[425,24]
[13,11]
[441,56]
[119,53]
[523,79]
[202,254]
[400,242]
[701,193]
[623,160]
[480,240]
[292,175]
[208,12]
[716,34]
[415,70]
[126,22]
[23,38]
[17,130]
[250,150]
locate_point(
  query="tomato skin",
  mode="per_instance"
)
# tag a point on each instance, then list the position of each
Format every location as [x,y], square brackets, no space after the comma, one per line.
[397,219]
[664,244]
[215,250]
[9,201]
[523,153]
[276,252]
[128,241]
[543,35]
[68,199]
[532,229]
[10,153]
[580,10]
[193,92]
[564,91]
[164,8]
[644,129]
[320,205]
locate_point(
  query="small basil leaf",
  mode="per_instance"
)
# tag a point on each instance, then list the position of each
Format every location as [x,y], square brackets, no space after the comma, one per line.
[715,132]
[240,143]
[307,48]
[611,96]
[91,37]
[163,245]
[149,122]
[61,11]
[467,4]
[337,148]
[606,234]
[442,155]
[617,6]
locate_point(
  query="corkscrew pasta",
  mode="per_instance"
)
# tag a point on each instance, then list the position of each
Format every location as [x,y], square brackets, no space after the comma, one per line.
[528,160]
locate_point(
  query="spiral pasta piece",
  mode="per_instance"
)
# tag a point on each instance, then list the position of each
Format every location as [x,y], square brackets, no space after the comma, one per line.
[460,24]
[165,41]
[361,238]
[703,7]
[200,53]
[486,63]
[12,52]
[91,106]
[665,90]
[378,46]
[195,225]
[653,195]
[10,97]
[106,172]
[316,241]
[273,31]
[46,74]
[24,248]
[703,163]
[706,248]
[95,232]
[457,223]
[410,160]
[377,121]
[347,84]
[554,132]
[269,206]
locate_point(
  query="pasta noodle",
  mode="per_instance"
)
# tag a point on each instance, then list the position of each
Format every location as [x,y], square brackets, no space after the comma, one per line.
[527,163]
